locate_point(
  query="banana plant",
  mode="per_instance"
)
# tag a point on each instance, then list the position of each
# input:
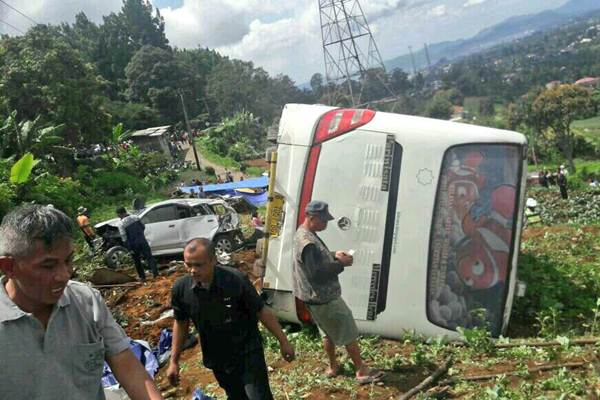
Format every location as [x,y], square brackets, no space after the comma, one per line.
[21,170]
[17,138]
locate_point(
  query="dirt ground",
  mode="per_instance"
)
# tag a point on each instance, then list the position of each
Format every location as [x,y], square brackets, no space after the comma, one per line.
[304,378]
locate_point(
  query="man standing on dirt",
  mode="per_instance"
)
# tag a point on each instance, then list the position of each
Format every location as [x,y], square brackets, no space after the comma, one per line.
[225,310]
[55,334]
[316,283]
[132,229]
[83,220]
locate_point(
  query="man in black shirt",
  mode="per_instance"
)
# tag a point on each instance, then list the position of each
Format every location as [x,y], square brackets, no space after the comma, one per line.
[225,309]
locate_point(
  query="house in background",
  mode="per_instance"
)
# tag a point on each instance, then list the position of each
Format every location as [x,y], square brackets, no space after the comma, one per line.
[153,139]
[588,82]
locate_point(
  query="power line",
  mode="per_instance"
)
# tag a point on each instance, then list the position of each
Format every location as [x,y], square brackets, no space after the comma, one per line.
[20,12]
[12,26]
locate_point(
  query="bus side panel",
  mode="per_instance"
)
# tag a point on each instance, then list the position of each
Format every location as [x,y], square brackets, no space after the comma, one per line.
[516,246]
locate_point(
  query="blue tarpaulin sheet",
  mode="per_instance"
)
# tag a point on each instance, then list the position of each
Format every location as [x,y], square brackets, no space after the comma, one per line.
[142,352]
[221,189]
[252,183]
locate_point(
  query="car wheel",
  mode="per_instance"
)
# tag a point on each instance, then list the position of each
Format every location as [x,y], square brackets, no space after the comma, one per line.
[223,244]
[116,257]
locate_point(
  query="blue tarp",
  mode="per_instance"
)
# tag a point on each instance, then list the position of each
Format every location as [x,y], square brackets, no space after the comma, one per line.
[258,199]
[252,183]
[230,189]
[142,352]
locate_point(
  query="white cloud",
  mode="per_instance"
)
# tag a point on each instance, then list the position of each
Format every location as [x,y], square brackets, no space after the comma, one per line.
[471,3]
[290,45]
[284,36]
[438,11]
[54,11]
[209,23]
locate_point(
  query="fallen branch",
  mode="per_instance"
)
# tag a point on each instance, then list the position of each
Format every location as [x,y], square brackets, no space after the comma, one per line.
[576,342]
[130,284]
[429,381]
[118,299]
[541,368]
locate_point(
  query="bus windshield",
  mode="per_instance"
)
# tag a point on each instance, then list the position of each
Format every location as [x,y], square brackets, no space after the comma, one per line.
[472,236]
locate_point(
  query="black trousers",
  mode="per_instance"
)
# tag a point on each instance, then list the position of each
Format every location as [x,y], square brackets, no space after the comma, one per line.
[143,250]
[563,192]
[248,381]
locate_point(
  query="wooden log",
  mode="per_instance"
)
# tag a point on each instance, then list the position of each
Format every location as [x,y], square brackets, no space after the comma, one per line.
[429,381]
[541,368]
[553,343]
[125,285]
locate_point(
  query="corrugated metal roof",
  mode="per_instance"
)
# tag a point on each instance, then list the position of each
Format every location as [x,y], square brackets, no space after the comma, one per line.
[156,131]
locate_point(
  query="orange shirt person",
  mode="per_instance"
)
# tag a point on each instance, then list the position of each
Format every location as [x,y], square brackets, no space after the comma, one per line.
[84,224]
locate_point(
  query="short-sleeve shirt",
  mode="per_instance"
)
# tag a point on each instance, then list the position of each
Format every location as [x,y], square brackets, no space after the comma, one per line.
[65,360]
[225,316]
[84,223]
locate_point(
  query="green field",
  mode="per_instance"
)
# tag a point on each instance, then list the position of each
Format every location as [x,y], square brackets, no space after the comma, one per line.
[589,129]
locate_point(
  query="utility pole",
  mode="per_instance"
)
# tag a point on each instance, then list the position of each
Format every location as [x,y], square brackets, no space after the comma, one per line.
[428,58]
[412,60]
[189,131]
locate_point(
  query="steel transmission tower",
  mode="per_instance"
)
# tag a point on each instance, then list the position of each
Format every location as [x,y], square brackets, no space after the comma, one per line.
[349,49]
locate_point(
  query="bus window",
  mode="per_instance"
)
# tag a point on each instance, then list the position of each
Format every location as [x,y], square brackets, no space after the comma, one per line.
[472,236]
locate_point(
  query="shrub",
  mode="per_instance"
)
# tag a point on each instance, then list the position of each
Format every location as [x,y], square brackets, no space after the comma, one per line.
[117,183]
[7,198]
[210,171]
[63,193]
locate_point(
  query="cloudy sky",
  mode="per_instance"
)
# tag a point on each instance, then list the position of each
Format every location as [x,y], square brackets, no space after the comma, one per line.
[283,36]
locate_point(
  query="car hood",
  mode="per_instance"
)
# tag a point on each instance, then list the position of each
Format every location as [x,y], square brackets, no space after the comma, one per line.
[111,222]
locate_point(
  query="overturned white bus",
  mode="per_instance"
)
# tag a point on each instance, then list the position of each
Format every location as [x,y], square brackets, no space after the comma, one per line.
[433,210]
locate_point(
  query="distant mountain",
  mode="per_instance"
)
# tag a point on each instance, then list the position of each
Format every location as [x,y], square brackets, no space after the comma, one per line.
[506,31]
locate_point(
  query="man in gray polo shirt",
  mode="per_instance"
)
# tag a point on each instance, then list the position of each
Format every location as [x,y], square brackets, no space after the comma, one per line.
[55,334]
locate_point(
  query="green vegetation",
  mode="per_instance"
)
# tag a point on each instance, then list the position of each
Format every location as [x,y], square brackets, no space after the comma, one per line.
[224,161]
[589,129]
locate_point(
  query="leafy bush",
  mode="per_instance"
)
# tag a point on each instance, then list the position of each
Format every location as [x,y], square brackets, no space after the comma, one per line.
[63,193]
[562,271]
[116,183]
[210,171]
[7,198]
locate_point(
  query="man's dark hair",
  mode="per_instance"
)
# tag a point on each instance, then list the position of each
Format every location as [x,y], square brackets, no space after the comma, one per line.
[24,225]
[121,210]
[208,245]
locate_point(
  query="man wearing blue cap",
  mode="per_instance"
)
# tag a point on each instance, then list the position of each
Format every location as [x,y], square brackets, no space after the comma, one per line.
[316,283]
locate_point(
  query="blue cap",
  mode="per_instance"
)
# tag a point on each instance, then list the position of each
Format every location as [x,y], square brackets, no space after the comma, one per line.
[319,209]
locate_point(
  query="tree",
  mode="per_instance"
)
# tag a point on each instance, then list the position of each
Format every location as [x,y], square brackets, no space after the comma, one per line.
[316,84]
[557,108]
[122,34]
[400,82]
[83,35]
[439,108]
[41,75]
[486,106]
[155,77]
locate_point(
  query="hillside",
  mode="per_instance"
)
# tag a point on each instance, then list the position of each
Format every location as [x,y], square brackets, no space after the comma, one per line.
[506,31]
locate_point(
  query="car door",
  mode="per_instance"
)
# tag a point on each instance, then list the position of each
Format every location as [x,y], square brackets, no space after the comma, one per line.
[162,228]
[201,224]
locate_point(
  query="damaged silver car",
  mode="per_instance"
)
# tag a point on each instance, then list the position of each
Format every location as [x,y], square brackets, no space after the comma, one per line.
[170,224]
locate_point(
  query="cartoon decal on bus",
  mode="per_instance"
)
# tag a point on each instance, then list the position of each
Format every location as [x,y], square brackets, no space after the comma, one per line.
[472,236]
